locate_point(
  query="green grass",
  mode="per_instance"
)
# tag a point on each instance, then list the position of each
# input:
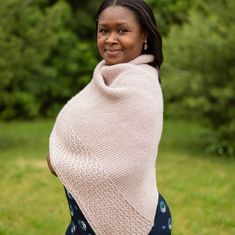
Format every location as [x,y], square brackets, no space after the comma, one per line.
[199,188]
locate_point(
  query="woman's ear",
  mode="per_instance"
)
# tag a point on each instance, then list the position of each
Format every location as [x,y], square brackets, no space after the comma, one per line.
[145,36]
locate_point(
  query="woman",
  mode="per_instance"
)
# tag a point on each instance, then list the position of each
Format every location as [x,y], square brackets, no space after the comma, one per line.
[104,143]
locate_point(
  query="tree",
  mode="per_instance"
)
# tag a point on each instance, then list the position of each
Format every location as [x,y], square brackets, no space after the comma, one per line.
[48,51]
[41,64]
[170,12]
[200,69]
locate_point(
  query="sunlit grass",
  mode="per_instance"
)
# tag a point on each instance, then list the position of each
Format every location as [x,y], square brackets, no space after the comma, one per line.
[199,188]
[32,201]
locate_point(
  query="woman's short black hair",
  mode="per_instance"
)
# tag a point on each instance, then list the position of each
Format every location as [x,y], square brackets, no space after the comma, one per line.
[147,22]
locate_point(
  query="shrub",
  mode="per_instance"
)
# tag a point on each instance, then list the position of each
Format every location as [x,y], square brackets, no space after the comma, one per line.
[200,72]
[43,62]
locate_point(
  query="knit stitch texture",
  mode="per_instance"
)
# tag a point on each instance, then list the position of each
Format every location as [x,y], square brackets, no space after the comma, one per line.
[104,145]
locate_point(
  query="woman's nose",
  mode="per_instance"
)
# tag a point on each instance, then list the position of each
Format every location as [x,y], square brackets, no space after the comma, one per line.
[111,38]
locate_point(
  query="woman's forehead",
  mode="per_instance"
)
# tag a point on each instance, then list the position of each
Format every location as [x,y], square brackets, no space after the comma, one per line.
[117,13]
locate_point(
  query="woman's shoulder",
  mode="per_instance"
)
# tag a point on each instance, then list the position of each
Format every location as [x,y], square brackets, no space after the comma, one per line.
[141,75]
[137,74]
[139,65]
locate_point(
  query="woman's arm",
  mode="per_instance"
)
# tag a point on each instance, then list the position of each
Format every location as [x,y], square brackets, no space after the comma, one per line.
[50,166]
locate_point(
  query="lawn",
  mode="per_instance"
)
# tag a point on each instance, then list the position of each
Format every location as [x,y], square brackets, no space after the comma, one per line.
[199,188]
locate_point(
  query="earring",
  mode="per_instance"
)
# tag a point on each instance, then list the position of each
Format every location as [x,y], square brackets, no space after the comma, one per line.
[145,45]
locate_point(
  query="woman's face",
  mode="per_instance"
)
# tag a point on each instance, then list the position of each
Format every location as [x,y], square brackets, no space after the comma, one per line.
[119,36]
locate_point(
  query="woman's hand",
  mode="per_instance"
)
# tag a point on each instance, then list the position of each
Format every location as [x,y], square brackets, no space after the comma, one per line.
[50,166]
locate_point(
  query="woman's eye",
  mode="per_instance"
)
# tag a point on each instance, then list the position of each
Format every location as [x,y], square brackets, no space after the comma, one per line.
[123,30]
[103,31]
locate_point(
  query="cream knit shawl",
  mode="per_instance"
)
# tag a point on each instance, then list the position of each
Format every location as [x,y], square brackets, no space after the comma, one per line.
[104,145]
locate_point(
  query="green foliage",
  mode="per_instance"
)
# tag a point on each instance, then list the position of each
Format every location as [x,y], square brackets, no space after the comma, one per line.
[169,12]
[21,103]
[48,53]
[85,17]
[41,60]
[200,71]
[24,44]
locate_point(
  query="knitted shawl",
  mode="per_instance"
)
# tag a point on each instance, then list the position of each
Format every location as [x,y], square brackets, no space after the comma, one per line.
[104,144]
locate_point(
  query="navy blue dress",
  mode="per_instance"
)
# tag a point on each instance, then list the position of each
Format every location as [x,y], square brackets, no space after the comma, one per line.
[80,226]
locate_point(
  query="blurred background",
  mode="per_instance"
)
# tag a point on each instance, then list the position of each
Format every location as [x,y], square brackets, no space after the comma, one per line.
[47,55]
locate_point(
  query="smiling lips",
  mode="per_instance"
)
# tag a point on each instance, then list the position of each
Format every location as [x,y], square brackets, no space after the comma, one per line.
[112,52]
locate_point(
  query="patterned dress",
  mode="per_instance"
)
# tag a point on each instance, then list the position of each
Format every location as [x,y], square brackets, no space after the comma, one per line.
[80,226]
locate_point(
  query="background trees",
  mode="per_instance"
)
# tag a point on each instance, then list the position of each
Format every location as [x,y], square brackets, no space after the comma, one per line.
[170,12]
[43,60]
[48,53]
[199,71]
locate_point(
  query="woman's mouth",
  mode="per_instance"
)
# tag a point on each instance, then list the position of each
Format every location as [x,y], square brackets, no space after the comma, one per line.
[112,52]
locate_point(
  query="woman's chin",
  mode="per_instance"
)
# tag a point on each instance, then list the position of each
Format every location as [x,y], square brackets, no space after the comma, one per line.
[113,61]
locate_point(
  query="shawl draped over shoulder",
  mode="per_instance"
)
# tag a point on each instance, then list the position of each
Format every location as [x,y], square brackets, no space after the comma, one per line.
[104,145]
